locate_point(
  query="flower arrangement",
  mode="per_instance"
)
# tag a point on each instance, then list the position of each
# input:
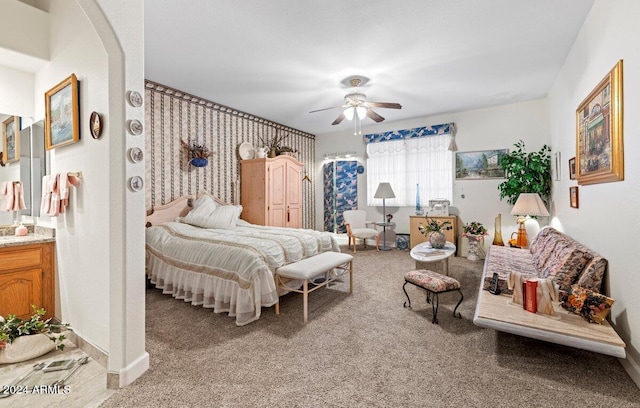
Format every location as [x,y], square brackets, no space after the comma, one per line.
[474,228]
[434,226]
[275,143]
[198,154]
[13,327]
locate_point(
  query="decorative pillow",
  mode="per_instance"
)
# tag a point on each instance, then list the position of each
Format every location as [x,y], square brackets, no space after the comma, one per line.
[592,306]
[592,274]
[565,264]
[224,217]
[203,209]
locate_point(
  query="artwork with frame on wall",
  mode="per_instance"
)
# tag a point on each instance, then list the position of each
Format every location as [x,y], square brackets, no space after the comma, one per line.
[62,114]
[557,165]
[599,136]
[480,165]
[573,197]
[572,168]
[11,139]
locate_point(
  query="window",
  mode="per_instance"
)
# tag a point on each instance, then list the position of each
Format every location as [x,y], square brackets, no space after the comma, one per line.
[411,164]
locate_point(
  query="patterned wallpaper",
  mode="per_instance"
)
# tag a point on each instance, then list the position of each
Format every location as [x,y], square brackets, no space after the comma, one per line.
[172,115]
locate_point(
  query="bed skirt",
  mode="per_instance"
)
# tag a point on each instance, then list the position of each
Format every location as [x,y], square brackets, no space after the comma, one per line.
[240,299]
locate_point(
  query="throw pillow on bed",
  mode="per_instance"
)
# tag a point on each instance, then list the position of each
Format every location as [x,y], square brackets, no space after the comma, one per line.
[592,306]
[207,214]
[203,209]
[224,217]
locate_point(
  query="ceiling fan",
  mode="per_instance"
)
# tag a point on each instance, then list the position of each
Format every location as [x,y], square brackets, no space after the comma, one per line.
[356,104]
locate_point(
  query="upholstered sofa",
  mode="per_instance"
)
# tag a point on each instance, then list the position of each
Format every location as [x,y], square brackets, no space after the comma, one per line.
[553,255]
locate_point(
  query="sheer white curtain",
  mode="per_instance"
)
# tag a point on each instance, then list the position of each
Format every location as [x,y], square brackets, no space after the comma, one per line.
[424,161]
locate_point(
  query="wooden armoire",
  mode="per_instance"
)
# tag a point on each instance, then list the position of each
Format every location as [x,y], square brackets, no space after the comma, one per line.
[271,191]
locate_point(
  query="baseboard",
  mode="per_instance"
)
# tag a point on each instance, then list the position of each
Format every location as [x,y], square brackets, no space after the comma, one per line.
[128,374]
[92,351]
[114,380]
[632,366]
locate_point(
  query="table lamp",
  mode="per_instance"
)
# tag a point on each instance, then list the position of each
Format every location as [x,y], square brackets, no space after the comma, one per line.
[384,191]
[527,204]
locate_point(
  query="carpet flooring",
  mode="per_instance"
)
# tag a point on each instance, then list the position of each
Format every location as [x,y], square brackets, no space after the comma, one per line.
[363,350]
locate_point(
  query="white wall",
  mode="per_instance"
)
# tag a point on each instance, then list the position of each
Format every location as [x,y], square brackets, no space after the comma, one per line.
[16,92]
[609,215]
[100,239]
[82,232]
[492,128]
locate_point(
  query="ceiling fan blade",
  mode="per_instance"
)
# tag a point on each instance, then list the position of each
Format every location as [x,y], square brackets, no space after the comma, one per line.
[374,116]
[338,119]
[389,105]
[324,109]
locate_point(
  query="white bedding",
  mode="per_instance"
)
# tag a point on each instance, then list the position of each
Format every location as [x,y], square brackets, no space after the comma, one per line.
[229,270]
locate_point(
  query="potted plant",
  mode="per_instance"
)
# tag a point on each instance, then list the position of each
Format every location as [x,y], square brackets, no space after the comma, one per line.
[274,145]
[22,340]
[433,229]
[526,173]
[473,231]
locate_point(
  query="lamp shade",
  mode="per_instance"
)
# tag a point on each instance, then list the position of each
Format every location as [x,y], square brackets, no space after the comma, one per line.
[348,113]
[384,191]
[529,204]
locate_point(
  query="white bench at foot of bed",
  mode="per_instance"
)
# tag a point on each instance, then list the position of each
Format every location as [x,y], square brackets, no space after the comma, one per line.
[311,268]
[499,313]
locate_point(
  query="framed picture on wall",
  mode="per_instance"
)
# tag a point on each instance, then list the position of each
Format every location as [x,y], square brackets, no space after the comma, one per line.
[572,168]
[62,114]
[573,197]
[599,142]
[11,139]
[480,165]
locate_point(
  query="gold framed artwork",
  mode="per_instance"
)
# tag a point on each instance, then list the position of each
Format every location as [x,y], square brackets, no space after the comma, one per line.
[599,136]
[573,197]
[62,114]
[11,139]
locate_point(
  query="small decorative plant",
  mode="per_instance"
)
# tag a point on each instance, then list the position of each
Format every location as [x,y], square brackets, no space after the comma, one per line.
[198,154]
[474,228]
[13,327]
[275,144]
[434,226]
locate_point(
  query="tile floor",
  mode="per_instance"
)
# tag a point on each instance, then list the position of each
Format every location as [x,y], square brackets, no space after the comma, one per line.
[87,387]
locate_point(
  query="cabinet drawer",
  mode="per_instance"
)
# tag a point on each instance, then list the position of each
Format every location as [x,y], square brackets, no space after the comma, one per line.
[20,257]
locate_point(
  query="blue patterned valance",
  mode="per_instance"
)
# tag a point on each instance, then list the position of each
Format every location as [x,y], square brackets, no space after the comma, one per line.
[447,128]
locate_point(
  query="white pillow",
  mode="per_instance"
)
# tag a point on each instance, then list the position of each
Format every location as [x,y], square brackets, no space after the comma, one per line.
[224,217]
[203,208]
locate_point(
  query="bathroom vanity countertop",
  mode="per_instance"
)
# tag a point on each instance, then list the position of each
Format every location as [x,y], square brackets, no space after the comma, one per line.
[12,240]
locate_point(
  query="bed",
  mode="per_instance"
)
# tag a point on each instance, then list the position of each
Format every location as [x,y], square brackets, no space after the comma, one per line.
[207,256]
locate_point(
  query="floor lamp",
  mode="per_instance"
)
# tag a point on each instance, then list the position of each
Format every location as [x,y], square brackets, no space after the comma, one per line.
[384,191]
[526,205]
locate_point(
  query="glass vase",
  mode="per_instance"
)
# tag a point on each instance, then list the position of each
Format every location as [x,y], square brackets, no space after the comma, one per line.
[497,238]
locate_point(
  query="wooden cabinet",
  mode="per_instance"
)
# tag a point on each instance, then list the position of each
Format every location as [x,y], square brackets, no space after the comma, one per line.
[416,236]
[271,191]
[27,278]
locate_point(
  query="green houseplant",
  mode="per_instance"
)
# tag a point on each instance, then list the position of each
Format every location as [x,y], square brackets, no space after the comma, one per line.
[13,327]
[526,173]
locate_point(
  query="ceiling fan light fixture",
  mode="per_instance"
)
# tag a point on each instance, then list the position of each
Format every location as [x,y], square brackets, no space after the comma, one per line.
[348,113]
[362,112]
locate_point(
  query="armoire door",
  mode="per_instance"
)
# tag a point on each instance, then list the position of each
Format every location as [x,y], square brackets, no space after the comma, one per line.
[294,196]
[277,190]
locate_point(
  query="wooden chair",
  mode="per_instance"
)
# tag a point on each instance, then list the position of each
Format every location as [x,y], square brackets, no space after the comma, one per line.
[356,223]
